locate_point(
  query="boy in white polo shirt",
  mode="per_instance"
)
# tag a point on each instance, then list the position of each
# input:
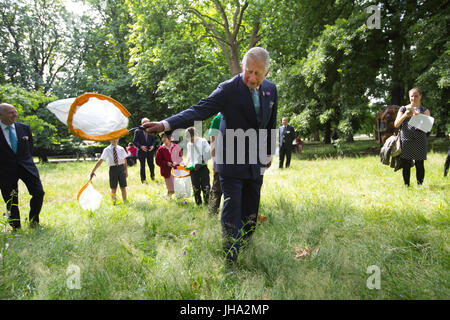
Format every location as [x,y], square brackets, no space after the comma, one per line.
[115,157]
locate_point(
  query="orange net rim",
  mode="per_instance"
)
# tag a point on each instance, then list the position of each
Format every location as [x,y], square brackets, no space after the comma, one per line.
[181,169]
[82,189]
[79,101]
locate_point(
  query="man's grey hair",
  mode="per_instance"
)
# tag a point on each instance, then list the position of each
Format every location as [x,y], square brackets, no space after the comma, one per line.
[259,54]
[145,120]
[3,105]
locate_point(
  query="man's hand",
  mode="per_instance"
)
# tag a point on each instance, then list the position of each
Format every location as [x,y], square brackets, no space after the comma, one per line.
[91,176]
[151,148]
[269,161]
[144,148]
[152,127]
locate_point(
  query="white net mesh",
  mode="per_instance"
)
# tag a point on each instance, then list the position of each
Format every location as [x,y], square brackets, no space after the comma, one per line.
[61,108]
[98,117]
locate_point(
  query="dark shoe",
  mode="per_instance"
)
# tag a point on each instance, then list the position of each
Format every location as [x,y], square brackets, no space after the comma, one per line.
[15,224]
[15,229]
[144,181]
[34,225]
[197,196]
[206,196]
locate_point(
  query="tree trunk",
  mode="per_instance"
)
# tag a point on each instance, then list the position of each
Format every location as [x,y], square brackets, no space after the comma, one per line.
[227,31]
[42,155]
[441,125]
[316,136]
[235,66]
[397,87]
[327,133]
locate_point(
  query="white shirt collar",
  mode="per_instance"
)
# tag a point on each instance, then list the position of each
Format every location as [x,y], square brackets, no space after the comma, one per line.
[4,126]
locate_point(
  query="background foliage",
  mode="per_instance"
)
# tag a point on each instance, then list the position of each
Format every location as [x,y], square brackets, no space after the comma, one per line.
[158,57]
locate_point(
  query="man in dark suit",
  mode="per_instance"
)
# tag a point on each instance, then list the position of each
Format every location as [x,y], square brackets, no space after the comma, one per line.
[245,144]
[16,162]
[287,136]
[146,144]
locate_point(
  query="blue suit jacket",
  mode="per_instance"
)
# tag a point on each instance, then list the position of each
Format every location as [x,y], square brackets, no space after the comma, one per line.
[233,100]
[288,137]
[9,161]
[139,141]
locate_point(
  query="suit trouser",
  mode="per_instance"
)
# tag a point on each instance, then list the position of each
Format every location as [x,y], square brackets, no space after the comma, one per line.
[447,163]
[285,150]
[148,156]
[239,212]
[215,195]
[200,183]
[10,196]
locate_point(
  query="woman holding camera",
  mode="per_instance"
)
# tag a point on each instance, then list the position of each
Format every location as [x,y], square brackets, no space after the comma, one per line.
[414,141]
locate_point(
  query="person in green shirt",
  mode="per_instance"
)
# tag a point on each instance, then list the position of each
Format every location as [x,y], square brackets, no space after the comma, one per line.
[215,193]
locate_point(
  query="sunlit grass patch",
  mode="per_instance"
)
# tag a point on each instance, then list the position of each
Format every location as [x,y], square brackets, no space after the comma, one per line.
[354,212]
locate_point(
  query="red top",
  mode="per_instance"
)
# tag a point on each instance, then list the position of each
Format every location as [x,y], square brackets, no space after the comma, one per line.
[167,154]
[132,150]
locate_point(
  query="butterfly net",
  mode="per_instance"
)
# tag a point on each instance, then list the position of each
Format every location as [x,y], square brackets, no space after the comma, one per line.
[92,116]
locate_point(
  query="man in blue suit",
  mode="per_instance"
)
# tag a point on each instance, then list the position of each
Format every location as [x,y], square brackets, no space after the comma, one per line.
[146,144]
[16,162]
[287,135]
[246,143]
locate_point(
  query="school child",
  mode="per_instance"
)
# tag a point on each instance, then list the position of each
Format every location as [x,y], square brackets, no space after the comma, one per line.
[167,157]
[115,157]
[198,154]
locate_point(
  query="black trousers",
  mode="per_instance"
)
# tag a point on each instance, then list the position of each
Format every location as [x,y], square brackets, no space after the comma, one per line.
[239,212]
[200,183]
[146,157]
[406,170]
[285,151]
[11,198]
[447,163]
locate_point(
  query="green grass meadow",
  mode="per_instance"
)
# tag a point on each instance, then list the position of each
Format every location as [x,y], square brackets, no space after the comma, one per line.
[354,210]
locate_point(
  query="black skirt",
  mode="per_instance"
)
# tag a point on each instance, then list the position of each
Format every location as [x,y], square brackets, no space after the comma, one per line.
[414,141]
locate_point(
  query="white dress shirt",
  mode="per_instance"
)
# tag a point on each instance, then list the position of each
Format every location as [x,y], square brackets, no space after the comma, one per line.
[6,132]
[198,151]
[107,155]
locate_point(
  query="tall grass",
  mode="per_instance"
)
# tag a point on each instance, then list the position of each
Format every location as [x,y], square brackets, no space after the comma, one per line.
[354,210]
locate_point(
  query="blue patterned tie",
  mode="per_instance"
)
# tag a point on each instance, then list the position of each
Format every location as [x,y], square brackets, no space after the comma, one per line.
[12,139]
[255,98]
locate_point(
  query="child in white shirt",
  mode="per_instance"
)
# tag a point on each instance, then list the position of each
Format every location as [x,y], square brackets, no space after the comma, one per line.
[198,154]
[115,157]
